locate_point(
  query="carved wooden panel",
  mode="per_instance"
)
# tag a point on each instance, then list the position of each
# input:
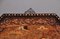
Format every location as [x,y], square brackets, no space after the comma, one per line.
[30,26]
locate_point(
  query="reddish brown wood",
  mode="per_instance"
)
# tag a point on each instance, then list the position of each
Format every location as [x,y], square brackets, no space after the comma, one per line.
[28,26]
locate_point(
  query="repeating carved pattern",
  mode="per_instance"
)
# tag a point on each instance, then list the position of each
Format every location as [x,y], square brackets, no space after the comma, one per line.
[31,21]
[29,26]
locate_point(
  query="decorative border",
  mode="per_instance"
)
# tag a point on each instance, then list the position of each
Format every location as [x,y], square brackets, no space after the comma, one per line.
[30,13]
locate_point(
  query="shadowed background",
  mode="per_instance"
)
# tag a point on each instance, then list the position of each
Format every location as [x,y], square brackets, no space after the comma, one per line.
[20,6]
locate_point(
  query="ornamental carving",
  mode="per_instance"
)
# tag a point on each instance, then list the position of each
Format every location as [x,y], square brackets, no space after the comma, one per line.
[30,25]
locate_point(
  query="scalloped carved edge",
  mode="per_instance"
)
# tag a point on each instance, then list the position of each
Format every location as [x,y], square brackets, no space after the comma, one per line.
[31,15]
[28,15]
